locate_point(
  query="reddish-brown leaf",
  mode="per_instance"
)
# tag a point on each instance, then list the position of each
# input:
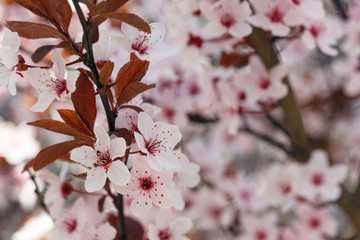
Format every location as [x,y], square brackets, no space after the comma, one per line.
[71,118]
[131,91]
[124,133]
[84,100]
[57,12]
[53,152]
[32,30]
[106,72]
[57,126]
[133,107]
[134,229]
[130,19]
[108,6]
[36,7]
[42,51]
[133,71]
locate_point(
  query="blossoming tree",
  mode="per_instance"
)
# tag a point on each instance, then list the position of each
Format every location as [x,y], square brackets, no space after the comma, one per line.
[180,119]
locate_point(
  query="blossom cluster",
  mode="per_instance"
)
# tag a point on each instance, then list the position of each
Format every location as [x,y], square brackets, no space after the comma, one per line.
[219,119]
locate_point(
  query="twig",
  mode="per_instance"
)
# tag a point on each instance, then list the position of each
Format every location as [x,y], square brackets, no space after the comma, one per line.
[90,62]
[277,124]
[268,140]
[40,196]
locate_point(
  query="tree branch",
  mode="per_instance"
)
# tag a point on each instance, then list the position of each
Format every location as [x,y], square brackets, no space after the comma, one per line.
[263,46]
[90,62]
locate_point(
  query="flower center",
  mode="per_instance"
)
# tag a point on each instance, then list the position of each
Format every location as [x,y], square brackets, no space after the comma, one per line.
[140,44]
[104,160]
[275,15]
[260,235]
[314,222]
[317,179]
[194,40]
[227,20]
[264,83]
[297,2]
[286,189]
[146,183]
[164,235]
[66,188]
[59,86]
[153,146]
[71,225]
[315,31]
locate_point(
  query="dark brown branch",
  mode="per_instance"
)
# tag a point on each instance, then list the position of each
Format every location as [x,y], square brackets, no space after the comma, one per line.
[90,62]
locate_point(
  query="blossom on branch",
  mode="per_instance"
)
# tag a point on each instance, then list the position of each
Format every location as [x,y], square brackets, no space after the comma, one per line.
[9,60]
[147,187]
[103,161]
[51,85]
[146,46]
[157,141]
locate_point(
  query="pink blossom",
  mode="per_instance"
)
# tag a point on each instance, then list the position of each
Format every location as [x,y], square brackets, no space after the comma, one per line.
[103,161]
[262,84]
[146,46]
[9,60]
[147,187]
[227,16]
[51,85]
[314,223]
[283,181]
[322,33]
[257,228]
[321,181]
[269,15]
[167,227]
[157,140]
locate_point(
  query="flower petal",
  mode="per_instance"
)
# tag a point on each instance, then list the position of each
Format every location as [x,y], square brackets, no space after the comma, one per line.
[71,78]
[118,173]
[117,147]
[59,65]
[157,33]
[84,155]
[95,179]
[145,124]
[11,39]
[43,102]
[102,139]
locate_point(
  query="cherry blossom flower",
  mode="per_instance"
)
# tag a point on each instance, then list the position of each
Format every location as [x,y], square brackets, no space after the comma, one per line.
[322,33]
[102,161]
[282,183]
[270,14]
[146,46]
[69,223]
[261,84]
[227,16]
[147,187]
[169,228]
[20,143]
[56,84]
[9,60]
[303,9]
[321,181]
[314,223]
[257,228]
[157,140]
[57,190]
[104,232]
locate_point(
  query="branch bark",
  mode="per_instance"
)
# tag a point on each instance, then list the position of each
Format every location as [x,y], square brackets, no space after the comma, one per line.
[90,62]
[264,48]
